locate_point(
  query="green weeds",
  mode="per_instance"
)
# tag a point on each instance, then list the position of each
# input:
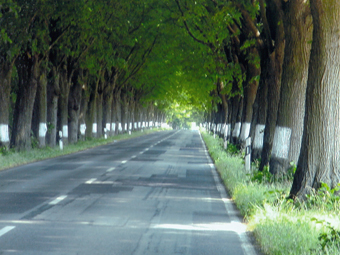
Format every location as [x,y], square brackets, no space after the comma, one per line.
[280,225]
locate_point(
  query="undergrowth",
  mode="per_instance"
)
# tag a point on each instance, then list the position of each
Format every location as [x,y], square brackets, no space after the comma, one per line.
[280,225]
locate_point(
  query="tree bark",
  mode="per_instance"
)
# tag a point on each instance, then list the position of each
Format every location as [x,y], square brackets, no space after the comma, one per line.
[117,113]
[65,83]
[124,112]
[274,82]
[289,125]
[91,116]
[320,150]
[28,72]
[259,116]
[99,102]
[39,121]
[74,103]
[53,93]
[236,118]
[83,109]
[250,94]
[5,91]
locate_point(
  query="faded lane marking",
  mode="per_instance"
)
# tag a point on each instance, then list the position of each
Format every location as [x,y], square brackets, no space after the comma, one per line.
[110,169]
[6,230]
[91,181]
[57,200]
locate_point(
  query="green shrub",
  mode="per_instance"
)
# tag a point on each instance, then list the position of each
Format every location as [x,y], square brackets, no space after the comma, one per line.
[280,225]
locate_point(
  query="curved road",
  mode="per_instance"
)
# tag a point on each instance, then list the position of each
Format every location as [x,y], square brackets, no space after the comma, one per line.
[156,194]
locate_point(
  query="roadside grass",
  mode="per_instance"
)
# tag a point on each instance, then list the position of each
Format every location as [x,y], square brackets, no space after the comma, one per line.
[280,225]
[12,158]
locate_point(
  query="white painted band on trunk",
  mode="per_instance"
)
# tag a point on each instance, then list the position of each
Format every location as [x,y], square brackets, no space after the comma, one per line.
[125,126]
[42,129]
[245,131]
[135,125]
[120,126]
[108,127]
[281,142]
[82,129]
[94,128]
[65,131]
[225,131]
[113,125]
[237,129]
[139,125]
[130,126]
[229,130]
[4,134]
[259,134]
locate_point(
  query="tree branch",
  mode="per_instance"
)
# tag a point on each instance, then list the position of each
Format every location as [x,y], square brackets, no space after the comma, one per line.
[188,29]
[267,33]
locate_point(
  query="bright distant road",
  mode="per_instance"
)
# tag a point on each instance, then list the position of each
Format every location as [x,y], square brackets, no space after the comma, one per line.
[156,194]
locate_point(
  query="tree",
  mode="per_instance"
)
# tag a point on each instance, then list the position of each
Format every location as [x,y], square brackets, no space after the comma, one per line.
[9,49]
[289,125]
[320,150]
[274,31]
[31,56]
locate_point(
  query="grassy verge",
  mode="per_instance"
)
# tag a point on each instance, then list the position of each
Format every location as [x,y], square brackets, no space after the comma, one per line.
[11,158]
[279,225]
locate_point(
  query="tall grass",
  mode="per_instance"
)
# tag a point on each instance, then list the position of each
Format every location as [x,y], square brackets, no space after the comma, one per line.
[280,225]
[12,158]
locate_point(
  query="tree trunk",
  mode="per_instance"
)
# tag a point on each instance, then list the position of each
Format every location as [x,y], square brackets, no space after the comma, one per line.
[53,92]
[289,126]
[274,84]
[250,95]
[114,121]
[91,116]
[260,116]
[28,72]
[5,91]
[83,109]
[107,107]
[118,111]
[237,117]
[320,150]
[100,128]
[225,107]
[124,112]
[74,103]
[63,104]
[39,121]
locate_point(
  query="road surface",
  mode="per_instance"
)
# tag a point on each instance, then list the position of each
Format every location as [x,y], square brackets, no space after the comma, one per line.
[156,194]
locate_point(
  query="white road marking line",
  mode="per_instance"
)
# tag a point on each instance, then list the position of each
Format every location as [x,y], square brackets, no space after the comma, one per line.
[91,180]
[124,161]
[104,182]
[110,169]
[133,156]
[141,152]
[5,230]
[151,146]
[57,200]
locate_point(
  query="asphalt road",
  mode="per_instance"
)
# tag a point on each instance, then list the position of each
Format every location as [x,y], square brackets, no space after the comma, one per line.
[156,194]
